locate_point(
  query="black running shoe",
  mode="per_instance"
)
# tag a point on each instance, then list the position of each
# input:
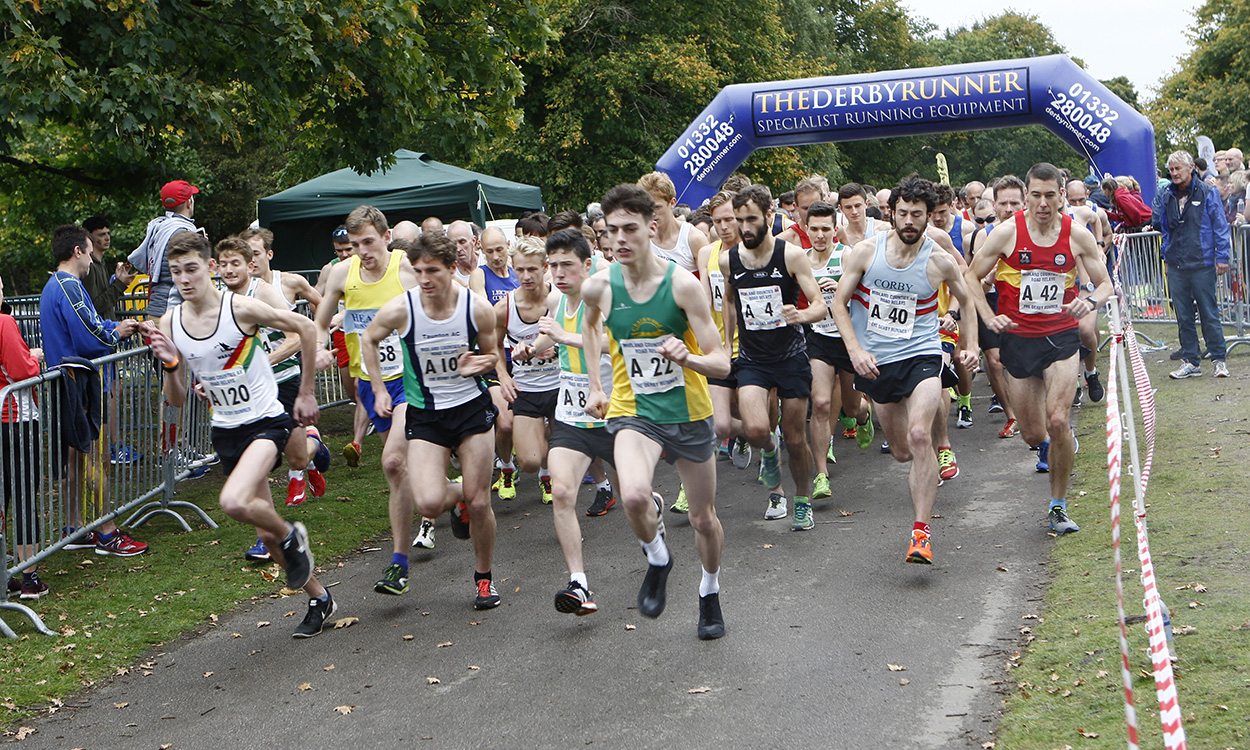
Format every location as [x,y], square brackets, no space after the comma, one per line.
[460,521]
[604,502]
[711,622]
[651,597]
[487,597]
[1094,385]
[318,612]
[298,555]
[576,599]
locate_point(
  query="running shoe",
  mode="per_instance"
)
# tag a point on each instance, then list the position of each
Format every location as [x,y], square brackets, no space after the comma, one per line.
[119,546]
[316,483]
[995,407]
[198,472]
[711,621]
[1043,457]
[777,508]
[604,502]
[298,555]
[1009,429]
[947,467]
[1060,523]
[487,597]
[723,450]
[296,492]
[78,539]
[820,487]
[122,454]
[31,587]
[15,585]
[963,420]
[802,517]
[352,452]
[1076,397]
[850,433]
[680,505]
[544,484]
[575,599]
[651,597]
[1186,370]
[864,433]
[1221,369]
[394,581]
[318,612]
[321,456]
[460,521]
[770,469]
[1094,386]
[920,550]
[504,486]
[885,446]
[257,552]
[425,535]
[740,454]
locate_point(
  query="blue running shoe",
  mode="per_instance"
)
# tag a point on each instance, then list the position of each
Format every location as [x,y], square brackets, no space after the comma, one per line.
[257,552]
[1043,457]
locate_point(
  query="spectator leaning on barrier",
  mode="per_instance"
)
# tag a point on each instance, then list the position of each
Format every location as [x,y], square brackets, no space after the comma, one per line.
[178,198]
[72,329]
[19,452]
[1195,250]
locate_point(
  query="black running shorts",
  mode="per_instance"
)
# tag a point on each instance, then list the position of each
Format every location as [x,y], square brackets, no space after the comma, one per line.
[1028,357]
[449,427]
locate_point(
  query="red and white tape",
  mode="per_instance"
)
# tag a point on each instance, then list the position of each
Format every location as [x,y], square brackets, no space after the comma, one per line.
[1124,339]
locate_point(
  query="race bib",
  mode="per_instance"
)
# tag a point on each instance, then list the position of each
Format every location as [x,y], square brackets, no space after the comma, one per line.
[571,403]
[649,371]
[535,367]
[1041,292]
[229,394]
[438,361]
[827,326]
[761,308]
[891,314]
[716,280]
[356,321]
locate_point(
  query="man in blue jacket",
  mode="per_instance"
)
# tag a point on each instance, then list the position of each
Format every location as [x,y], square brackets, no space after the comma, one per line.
[1196,247]
[72,328]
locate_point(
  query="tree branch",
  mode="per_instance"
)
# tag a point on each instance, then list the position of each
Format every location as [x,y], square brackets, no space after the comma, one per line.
[70,174]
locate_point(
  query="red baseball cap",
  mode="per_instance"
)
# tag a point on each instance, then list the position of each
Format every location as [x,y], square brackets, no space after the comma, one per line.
[175,193]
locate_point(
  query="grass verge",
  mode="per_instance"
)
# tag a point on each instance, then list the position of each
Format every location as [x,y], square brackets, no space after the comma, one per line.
[1069,691]
[109,610]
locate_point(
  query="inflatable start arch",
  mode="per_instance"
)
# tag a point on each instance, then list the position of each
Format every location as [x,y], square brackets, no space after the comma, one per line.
[1051,91]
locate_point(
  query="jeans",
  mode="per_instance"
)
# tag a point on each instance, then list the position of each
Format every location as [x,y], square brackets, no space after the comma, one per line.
[1194,289]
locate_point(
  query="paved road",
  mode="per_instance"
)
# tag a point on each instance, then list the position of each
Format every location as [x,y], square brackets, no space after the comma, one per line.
[813,621]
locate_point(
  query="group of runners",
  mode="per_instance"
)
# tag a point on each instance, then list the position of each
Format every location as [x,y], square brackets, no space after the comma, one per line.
[596,353]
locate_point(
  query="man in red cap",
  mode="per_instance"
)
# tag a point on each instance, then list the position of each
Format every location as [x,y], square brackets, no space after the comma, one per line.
[178,200]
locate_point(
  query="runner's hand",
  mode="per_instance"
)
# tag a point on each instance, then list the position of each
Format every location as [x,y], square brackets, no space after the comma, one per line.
[306,411]
[324,359]
[471,365]
[948,324]
[1077,308]
[162,347]
[674,349]
[507,387]
[865,364]
[549,326]
[969,359]
[597,403]
[790,314]
[522,352]
[381,402]
[827,284]
[1001,324]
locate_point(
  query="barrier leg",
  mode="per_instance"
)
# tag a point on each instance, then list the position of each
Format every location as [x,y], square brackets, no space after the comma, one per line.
[167,504]
[21,609]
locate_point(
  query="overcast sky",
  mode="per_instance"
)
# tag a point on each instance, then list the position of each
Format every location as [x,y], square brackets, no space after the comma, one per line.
[1140,40]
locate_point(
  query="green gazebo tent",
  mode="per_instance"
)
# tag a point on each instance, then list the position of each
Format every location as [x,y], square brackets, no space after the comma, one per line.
[302,217]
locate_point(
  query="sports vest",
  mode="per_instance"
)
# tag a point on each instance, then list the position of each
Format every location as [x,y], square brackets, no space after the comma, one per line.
[832,269]
[1034,283]
[894,310]
[497,287]
[680,252]
[534,375]
[761,293]
[271,340]
[432,349]
[716,282]
[361,300]
[574,374]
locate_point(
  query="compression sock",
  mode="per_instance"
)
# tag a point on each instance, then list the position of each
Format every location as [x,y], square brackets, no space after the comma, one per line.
[580,578]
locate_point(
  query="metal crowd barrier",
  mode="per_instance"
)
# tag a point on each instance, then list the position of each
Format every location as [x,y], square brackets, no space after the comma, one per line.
[48,490]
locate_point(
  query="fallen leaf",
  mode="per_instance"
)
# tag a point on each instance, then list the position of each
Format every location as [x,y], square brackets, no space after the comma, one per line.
[1087,735]
[345,710]
[343,499]
[1101,674]
[289,592]
[345,622]
[1001,568]
[444,644]
[166,746]
[328,668]
[897,667]
[631,627]
[212,618]
[1222,707]
[1195,605]
[433,681]
[120,705]
[262,624]
[24,732]
[767,546]
[208,674]
[1054,677]
[903,681]
[304,687]
[845,513]
[698,690]
[236,635]
[409,637]
[1186,630]
[988,746]
[289,614]
[474,667]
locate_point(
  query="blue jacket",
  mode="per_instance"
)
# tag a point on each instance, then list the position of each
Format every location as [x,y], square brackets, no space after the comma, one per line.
[1204,205]
[69,323]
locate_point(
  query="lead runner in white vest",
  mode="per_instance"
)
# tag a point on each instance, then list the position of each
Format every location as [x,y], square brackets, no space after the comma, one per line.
[216,334]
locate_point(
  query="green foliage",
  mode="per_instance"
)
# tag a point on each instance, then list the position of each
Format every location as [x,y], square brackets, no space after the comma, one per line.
[1210,93]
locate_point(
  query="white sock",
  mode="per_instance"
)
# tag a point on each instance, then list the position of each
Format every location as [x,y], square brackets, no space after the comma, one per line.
[710,583]
[580,577]
[1090,373]
[544,474]
[657,551]
[507,465]
[292,474]
[604,485]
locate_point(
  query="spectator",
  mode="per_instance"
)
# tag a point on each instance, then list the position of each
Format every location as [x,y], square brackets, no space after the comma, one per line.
[72,330]
[1127,211]
[1195,248]
[178,198]
[19,452]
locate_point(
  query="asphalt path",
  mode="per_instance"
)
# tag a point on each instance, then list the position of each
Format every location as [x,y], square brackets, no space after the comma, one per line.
[815,619]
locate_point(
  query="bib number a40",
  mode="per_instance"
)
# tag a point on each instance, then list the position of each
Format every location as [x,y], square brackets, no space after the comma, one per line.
[891,315]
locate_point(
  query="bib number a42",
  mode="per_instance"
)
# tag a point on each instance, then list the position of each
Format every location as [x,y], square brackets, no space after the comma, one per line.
[1041,292]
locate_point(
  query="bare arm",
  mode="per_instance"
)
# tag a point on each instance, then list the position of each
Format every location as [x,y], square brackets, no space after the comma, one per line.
[729,303]
[477,282]
[324,276]
[1089,254]
[596,295]
[952,275]
[713,362]
[250,312]
[298,286]
[996,247]
[472,364]
[160,335]
[330,302]
[270,296]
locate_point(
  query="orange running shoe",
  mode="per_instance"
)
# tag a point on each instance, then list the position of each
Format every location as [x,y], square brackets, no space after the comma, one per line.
[920,550]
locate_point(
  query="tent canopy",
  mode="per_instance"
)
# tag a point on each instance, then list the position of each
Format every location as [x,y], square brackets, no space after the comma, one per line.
[416,187]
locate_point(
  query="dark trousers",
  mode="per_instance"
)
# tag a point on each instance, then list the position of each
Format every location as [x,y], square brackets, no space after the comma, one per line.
[1193,290]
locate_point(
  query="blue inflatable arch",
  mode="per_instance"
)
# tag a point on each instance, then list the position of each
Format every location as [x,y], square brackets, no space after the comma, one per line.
[1051,91]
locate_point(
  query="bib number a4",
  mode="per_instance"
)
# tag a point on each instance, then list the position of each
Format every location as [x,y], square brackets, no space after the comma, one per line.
[891,314]
[649,371]
[761,308]
[1041,292]
[716,280]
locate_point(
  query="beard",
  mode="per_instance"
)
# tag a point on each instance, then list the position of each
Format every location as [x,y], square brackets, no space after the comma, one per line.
[910,235]
[752,241]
